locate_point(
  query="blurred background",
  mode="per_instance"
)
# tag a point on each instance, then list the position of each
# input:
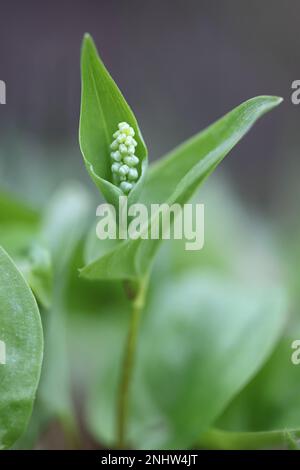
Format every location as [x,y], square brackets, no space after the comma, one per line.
[181,64]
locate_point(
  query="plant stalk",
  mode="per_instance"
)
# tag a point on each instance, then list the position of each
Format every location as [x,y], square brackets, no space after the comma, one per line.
[128,363]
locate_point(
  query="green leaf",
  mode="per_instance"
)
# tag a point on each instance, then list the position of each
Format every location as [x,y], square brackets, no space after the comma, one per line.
[18,224]
[102,108]
[174,180]
[84,296]
[16,237]
[21,331]
[36,267]
[185,167]
[271,400]
[227,440]
[63,225]
[11,209]
[203,338]
[64,222]
[102,335]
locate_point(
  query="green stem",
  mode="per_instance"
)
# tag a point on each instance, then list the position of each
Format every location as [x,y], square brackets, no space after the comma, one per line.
[128,362]
[228,440]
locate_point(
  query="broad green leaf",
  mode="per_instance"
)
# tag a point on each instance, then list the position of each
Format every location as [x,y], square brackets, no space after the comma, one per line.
[207,349]
[21,331]
[62,227]
[271,400]
[174,180]
[203,338]
[102,108]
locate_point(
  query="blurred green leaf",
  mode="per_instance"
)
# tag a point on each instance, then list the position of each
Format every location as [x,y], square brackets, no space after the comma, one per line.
[174,180]
[102,108]
[21,332]
[19,224]
[217,439]
[202,340]
[16,238]
[100,336]
[64,222]
[84,296]
[36,267]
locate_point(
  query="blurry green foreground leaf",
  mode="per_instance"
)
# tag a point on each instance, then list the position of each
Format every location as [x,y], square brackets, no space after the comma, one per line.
[63,225]
[21,331]
[201,342]
[217,439]
[174,179]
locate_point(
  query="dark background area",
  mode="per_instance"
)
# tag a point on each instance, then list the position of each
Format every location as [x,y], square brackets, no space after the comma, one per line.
[181,65]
